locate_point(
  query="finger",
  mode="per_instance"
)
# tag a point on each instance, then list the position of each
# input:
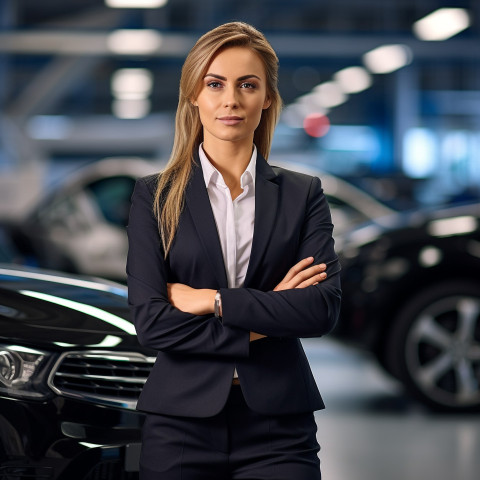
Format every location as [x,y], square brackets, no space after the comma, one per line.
[306,274]
[301,277]
[298,267]
[310,280]
[315,280]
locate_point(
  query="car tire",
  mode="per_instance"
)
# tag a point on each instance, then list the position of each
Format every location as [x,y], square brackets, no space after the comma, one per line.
[434,346]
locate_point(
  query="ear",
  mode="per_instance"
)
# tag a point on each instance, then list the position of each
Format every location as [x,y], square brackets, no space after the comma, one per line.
[267,103]
[194,102]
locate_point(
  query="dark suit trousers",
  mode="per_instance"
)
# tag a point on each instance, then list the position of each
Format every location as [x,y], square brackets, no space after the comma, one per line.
[235,444]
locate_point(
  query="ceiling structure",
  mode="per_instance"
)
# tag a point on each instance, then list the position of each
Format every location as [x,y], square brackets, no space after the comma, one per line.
[57,61]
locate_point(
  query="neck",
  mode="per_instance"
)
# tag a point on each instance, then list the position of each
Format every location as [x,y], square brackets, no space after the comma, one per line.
[229,158]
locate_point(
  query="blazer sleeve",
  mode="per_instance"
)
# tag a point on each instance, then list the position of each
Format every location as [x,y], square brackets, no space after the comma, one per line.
[304,312]
[159,325]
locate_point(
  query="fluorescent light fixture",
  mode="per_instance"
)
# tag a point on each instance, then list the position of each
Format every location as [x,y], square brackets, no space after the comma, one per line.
[353,79]
[134,42]
[446,227]
[387,58]
[131,108]
[132,83]
[442,24]
[135,3]
[329,94]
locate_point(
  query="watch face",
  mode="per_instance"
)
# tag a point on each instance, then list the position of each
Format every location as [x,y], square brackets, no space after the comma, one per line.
[217,306]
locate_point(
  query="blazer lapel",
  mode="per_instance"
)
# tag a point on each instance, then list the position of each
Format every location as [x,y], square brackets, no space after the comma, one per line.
[266,203]
[198,204]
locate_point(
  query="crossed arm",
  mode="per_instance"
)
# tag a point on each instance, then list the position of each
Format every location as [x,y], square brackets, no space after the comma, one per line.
[163,313]
[201,301]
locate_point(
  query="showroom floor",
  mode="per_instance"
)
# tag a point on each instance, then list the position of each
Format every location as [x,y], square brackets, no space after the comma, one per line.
[371,431]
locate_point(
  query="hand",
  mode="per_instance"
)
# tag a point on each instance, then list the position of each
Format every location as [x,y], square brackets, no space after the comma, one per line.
[197,301]
[301,275]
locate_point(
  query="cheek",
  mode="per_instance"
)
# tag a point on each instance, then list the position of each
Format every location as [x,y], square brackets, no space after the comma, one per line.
[209,103]
[205,110]
[260,104]
[256,111]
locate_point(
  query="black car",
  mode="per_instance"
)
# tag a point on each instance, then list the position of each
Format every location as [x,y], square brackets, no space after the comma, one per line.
[71,371]
[411,294]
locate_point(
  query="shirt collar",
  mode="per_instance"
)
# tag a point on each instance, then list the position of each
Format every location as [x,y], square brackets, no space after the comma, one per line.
[211,174]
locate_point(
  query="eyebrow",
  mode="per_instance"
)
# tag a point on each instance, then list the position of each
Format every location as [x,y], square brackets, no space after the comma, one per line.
[244,77]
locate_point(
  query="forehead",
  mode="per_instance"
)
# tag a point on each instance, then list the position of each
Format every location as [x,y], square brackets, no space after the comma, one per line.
[237,60]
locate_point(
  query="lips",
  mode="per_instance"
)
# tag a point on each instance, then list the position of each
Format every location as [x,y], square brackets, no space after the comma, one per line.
[230,120]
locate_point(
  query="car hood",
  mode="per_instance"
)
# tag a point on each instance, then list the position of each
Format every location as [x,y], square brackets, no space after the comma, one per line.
[46,308]
[428,222]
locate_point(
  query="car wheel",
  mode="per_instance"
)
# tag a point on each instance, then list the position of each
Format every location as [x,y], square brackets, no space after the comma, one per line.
[434,346]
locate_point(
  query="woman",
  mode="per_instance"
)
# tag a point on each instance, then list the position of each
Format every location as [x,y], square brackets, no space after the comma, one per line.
[226,270]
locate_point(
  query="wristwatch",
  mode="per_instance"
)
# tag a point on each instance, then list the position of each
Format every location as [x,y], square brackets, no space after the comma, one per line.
[217,306]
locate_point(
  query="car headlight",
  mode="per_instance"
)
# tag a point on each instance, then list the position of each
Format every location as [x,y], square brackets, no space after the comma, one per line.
[23,372]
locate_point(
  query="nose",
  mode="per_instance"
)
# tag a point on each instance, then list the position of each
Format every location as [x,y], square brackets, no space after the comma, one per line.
[230,99]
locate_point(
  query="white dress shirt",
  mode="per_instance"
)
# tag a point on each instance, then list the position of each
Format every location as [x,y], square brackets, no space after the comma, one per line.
[234,218]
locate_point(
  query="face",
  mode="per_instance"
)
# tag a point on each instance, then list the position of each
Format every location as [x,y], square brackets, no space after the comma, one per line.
[232,96]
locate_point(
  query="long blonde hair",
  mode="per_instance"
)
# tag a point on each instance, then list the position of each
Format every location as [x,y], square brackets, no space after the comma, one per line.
[172,183]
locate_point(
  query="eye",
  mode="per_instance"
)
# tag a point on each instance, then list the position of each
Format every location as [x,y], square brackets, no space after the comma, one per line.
[248,85]
[214,84]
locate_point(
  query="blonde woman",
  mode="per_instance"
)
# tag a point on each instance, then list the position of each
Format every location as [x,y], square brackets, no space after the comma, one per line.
[227,269]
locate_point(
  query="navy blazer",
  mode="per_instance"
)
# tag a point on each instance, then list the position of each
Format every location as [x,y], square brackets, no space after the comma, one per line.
[197,355]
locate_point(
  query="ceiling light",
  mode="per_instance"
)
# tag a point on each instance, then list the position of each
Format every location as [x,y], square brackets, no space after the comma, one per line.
[134,42]
[446,227]
[329,94]
[442,24]
[131,108]
[135,3]
[132,83]
[387,58]
[353,79]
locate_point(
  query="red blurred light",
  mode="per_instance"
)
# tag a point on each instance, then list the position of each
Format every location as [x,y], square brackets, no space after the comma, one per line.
[316,124]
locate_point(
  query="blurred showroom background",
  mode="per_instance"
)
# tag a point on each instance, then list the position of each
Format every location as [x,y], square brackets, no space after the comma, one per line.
[387,104]
[384,94]
[382,101]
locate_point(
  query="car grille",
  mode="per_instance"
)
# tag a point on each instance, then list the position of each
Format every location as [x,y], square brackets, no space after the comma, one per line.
[105,378]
